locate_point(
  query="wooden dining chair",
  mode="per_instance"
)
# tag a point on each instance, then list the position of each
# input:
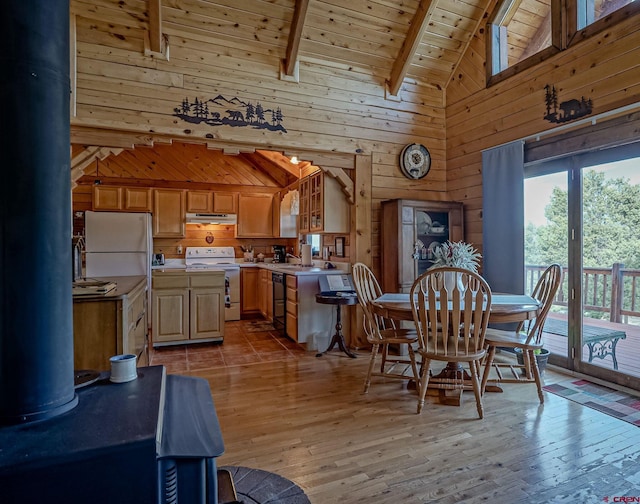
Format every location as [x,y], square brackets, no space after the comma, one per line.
[451,311]
[382,332]
[527,337]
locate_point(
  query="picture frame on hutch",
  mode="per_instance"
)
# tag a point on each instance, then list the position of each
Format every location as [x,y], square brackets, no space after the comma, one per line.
[340,246]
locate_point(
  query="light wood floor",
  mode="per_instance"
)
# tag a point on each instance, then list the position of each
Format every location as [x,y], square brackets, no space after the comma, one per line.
[307,419]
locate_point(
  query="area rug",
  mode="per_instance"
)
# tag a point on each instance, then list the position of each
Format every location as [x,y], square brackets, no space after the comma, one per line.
[259,326]
[254,486]
[610,401]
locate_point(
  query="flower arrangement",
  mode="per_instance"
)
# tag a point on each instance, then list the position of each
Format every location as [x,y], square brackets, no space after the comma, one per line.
[456,254]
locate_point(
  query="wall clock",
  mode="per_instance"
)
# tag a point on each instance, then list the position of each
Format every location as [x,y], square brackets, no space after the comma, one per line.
[415,161]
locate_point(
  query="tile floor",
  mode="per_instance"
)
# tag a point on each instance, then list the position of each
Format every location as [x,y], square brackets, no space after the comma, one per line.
[245,342]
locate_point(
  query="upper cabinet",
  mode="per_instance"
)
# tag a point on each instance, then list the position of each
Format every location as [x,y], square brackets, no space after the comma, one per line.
[323,206]
[225,203]
[410,231]
[210,202]
[121,199]
[169,213]
[255,216]
[199,201]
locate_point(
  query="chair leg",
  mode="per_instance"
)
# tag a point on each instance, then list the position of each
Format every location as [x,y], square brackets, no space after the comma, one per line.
[414,367]
[372,362]
[487,368]
[424,382]
[536,375]
[383,361]
[474,367]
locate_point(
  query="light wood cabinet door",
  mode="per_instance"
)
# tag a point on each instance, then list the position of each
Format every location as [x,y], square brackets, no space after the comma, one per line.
[292,307]
[137,199]
[324,208]
[304,205]
[264,286]
[255,216]
[168,213]
[225,202]
[207,313]
[170,315]
[249,290]
[199,201]
[107,198]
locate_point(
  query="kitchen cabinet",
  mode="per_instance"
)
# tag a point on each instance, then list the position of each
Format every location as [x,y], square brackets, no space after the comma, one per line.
[111,324]
[307,319]
[199,201]
[249,295]
[266,294]
[121,199]
[292,307]
[303,216]
[255,216]
[414,228]
[187,307]
[323,206]
[225,203]
[169,213]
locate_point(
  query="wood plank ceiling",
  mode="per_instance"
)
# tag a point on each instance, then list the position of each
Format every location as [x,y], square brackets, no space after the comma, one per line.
[400,42]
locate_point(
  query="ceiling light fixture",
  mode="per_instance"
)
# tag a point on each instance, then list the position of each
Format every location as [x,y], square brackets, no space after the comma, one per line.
[294,160]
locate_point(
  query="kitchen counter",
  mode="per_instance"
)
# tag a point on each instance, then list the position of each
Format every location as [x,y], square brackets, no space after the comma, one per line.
[287,268]
[110,324]
[124,286]
[296,269]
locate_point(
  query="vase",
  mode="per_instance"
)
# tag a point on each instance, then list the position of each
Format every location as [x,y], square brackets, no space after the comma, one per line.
[453,279]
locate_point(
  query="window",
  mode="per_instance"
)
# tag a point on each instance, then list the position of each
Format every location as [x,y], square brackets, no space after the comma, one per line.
[522,33]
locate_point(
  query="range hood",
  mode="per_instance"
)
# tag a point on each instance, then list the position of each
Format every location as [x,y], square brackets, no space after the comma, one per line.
[211,218]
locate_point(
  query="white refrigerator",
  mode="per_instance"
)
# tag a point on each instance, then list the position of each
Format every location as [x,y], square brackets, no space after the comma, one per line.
[118,244]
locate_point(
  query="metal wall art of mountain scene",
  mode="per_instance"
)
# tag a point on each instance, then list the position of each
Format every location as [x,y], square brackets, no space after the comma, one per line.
[233,112]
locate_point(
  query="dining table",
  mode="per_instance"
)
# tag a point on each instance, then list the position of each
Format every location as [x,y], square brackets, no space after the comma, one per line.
[505,308]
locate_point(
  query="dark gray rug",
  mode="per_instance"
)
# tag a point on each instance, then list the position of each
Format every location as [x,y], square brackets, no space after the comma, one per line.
[255,486]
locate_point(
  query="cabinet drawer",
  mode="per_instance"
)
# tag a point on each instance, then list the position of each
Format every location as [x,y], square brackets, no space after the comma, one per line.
[292,326]
[292,308]
[170,282]
[206,280]
[292,281]
[292,295]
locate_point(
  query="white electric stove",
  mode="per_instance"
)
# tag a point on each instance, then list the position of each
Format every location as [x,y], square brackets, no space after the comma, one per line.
[219,258]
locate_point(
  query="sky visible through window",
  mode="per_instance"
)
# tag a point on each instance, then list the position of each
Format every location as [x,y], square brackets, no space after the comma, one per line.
[537,190]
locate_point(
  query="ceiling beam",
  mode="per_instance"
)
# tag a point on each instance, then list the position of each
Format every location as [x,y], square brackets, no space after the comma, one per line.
[281,161]
[410,46]
[155,25]
[86,158]
[293,46]
[269,168]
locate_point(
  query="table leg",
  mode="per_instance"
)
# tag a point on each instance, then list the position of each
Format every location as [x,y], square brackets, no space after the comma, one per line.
[338,337]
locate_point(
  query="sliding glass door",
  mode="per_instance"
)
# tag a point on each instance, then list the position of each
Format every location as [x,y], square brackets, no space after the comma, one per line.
[610,268]
[585,215]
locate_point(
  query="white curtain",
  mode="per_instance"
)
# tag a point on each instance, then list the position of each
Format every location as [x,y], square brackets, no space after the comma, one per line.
[503,217]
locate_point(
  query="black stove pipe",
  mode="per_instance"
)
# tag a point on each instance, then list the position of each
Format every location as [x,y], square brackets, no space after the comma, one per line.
[36,317]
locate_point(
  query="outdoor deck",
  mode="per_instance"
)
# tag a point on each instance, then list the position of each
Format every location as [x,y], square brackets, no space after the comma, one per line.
[627,350]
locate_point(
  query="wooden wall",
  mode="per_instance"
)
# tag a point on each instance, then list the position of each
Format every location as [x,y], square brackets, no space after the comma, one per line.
[605,68]
[334,108]
[124,98]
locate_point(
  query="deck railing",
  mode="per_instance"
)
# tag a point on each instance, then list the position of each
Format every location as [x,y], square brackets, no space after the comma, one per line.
[615,291]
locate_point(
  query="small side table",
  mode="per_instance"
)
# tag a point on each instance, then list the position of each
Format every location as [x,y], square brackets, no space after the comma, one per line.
[338,337]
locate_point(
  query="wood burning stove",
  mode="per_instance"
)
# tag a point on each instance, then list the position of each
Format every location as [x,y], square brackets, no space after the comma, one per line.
[151,440]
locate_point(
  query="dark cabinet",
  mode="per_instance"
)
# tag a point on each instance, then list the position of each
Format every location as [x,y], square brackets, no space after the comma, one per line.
[410,230]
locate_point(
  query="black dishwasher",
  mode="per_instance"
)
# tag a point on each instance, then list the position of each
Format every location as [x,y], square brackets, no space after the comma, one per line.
[279,302]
